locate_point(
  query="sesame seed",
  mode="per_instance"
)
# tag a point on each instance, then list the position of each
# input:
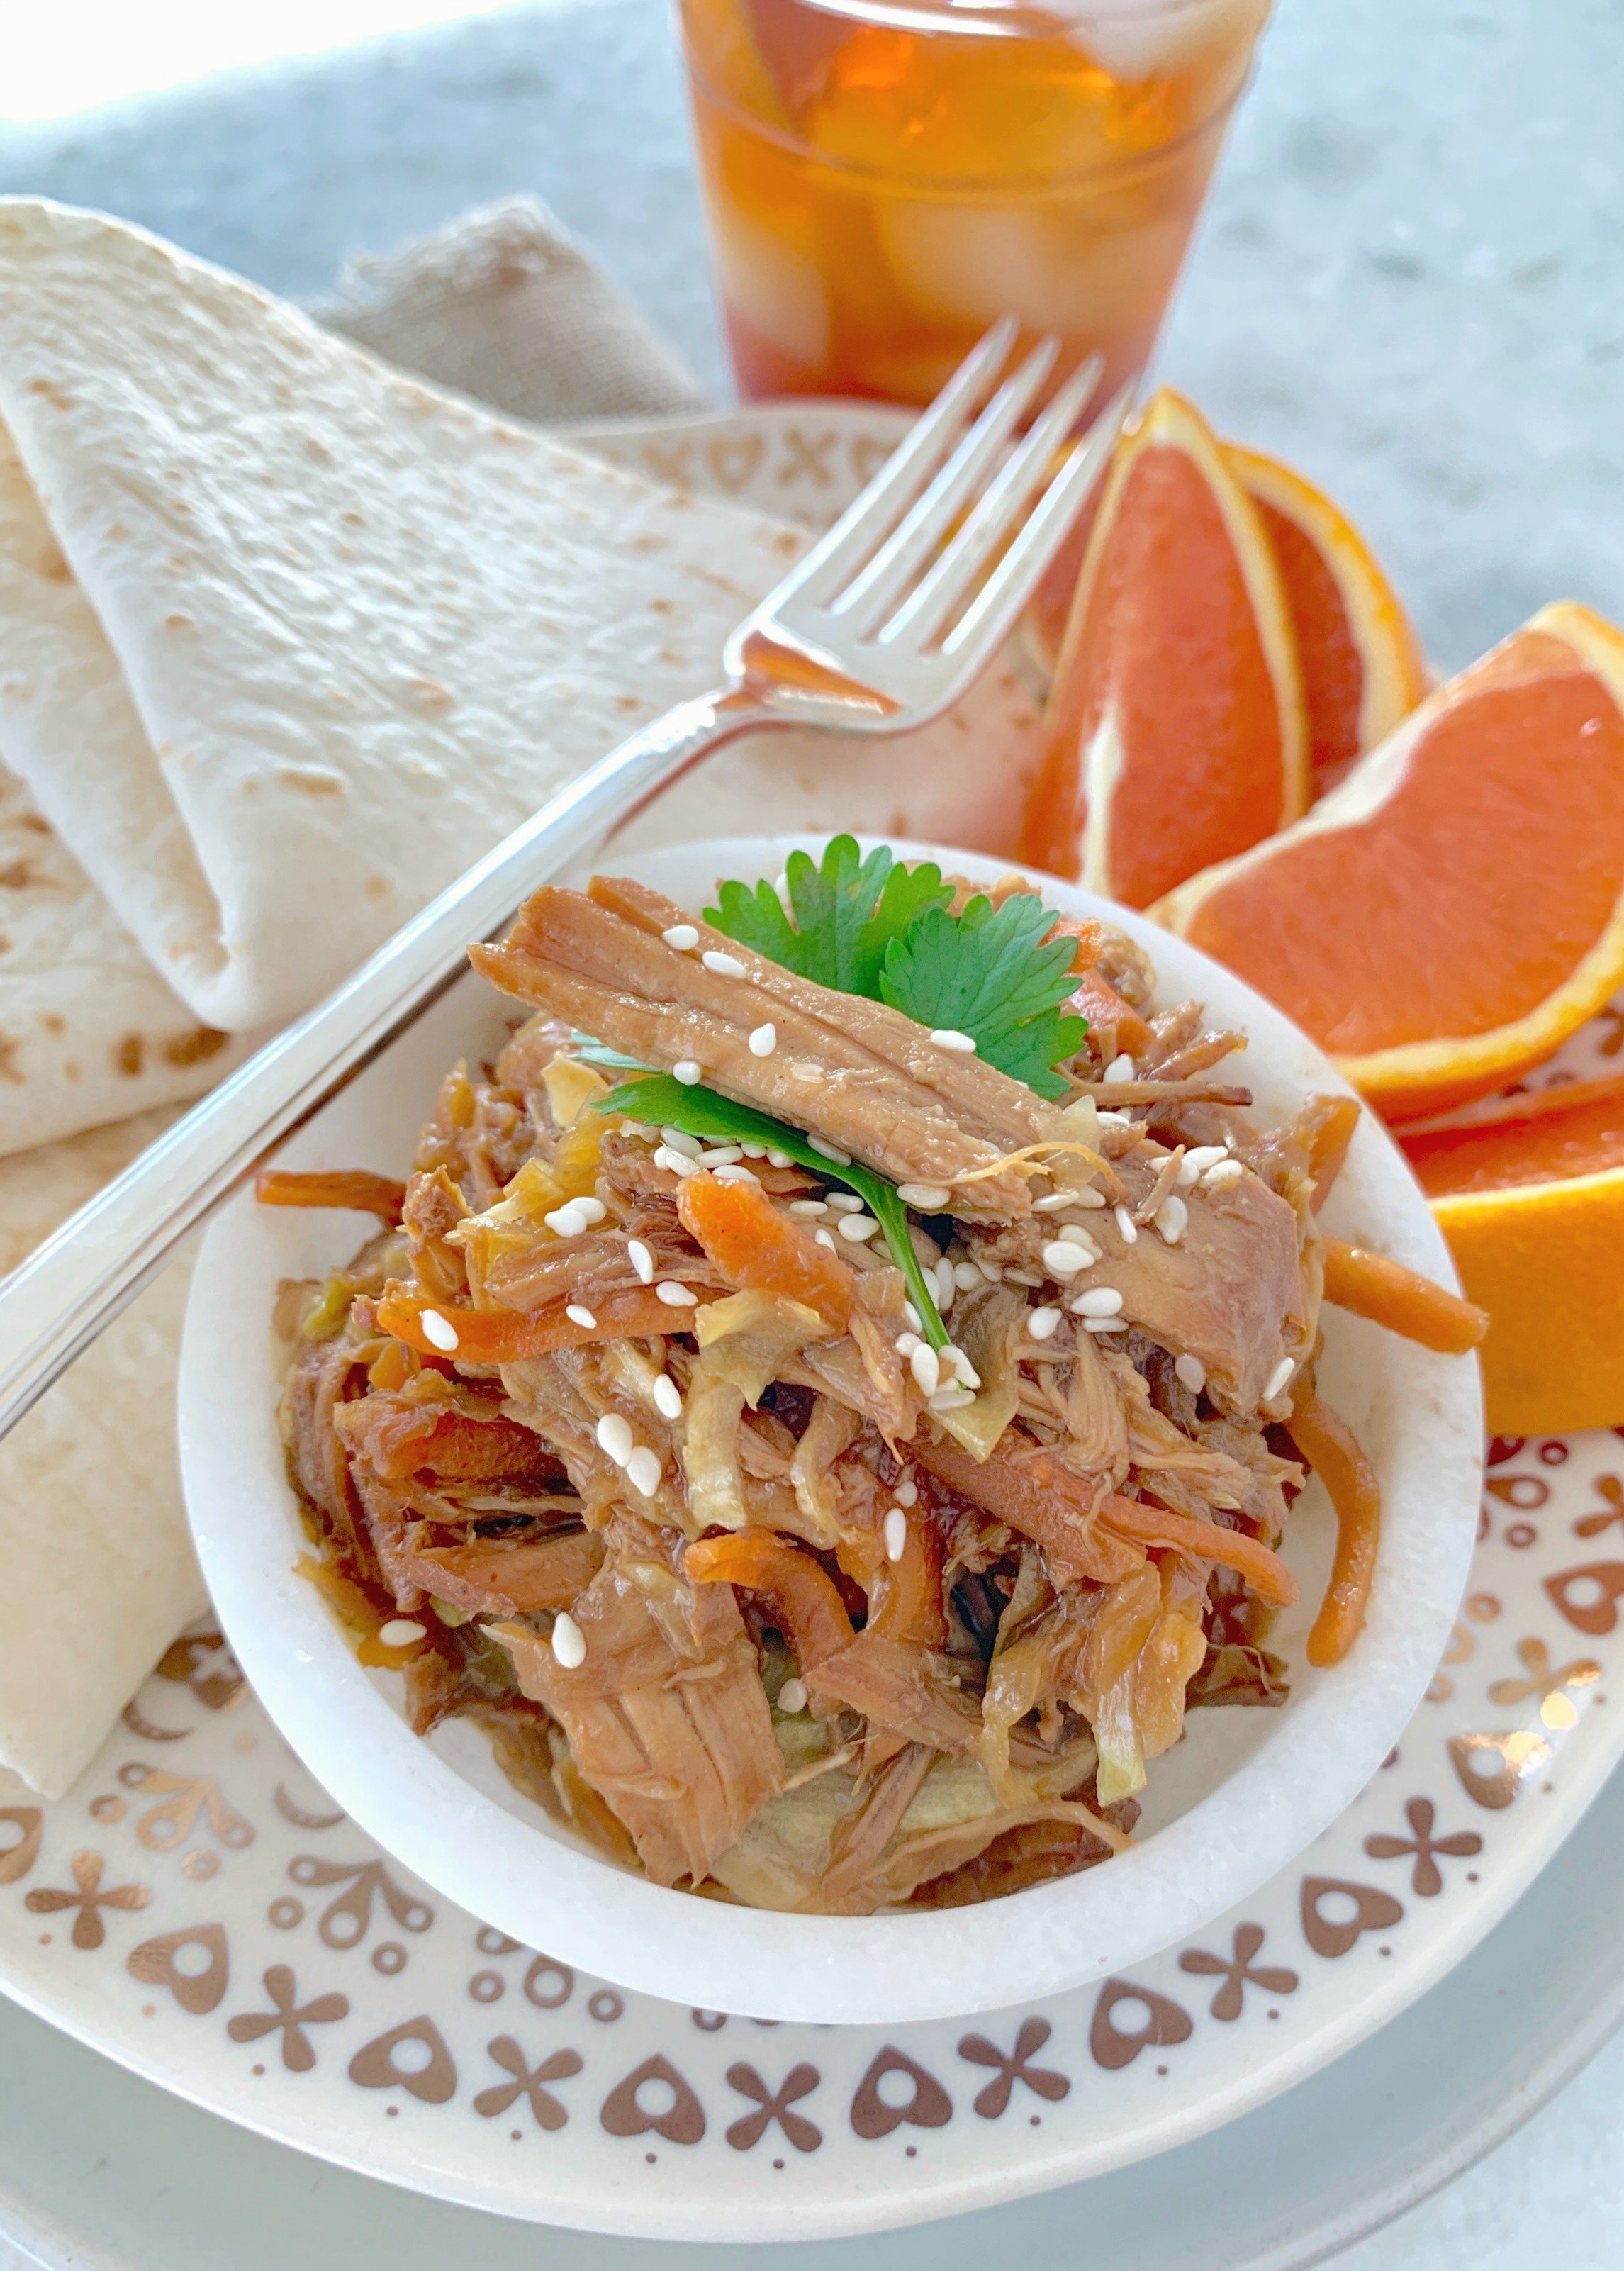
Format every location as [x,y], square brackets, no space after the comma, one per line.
[1192,1371]
[829,1152]
[856,1228]
[569,1643]
[1098,1301]
[676,1296]
[402,1632]
[580,1314]
[722,965]
[1043,1323]
[1127,1228]
[687,1072]
[1171,1218]
[1221,1177]
[642,1470]
[966,1277]
[845,1202]
[1052,1203]
[1062,1260]
[946,1285]
[566,1221]
[906,1343]
[683,936]
[916,1322]
[667,1397]
[1120,1069]
[721,1155]
[764,1041]
[926,1368]
[638,1254]
[1279,1378]
[674,1163]
[948,1036]
[1195,1162]
[593,1209]
[439,1331]
[753,1151]
[929,1198]
[1072,1233]
[824,1238]
[907,1494]
[781,1159]
[781,884]
[1104,1324]
[737,1174]
[992,1271]
[615,1438]
[896,1534]
[678,1139]
[954,1398]
[792,1698]
[1115,1119]
[968,1375]
[811,1208]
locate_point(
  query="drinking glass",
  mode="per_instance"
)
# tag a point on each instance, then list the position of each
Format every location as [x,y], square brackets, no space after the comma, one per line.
[885,178]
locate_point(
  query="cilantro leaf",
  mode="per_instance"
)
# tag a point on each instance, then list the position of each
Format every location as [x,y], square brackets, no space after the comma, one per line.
[988,973]
[660,1101]
[847,911]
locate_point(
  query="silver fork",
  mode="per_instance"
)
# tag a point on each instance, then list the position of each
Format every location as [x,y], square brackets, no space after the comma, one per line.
[878,629]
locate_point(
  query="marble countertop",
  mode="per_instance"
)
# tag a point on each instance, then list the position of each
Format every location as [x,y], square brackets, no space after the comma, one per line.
[1408,283]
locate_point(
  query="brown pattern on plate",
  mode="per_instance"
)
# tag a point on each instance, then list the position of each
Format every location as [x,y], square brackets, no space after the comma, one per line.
[623,2114]
[289,2018]
[346,1920]
[775,2105]
[928,2105]
[17,1856]
[376,2067]
[528,2083]
[992,2100]
[187,1799]
[1113,2047]
[87,1899]
[1588,1596]
[1492,1769]
[1425,1878]
[1241,1971]
[158,1963]
[1332,1936]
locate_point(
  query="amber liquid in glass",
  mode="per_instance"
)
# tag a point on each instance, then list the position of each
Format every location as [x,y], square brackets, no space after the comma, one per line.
[885,181]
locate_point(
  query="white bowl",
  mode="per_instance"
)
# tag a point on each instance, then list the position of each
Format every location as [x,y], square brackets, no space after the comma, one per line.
[1244,1792]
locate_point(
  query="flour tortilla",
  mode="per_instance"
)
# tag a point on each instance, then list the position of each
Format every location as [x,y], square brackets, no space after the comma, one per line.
[329,634]
[96,1566]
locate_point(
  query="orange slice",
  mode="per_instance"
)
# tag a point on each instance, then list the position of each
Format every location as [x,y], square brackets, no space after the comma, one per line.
[1360,662]
[1445,918]
[1529,1195]
[1177,734]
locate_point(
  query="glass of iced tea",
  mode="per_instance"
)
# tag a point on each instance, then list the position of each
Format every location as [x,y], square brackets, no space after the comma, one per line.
[885,178]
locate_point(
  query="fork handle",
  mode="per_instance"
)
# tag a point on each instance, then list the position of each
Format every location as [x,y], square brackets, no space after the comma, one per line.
[56,1302]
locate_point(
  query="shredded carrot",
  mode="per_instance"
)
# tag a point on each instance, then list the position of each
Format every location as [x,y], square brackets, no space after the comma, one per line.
[755,1246]
[486,1336]
[1205,1541]
[799,1592]
[1329,1446]
[1329,1149]
[1402,1299]
[907,1598]
[351,1187]
[1096,998]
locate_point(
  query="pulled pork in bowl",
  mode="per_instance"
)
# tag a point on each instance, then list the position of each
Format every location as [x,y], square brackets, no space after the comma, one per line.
[825,1408]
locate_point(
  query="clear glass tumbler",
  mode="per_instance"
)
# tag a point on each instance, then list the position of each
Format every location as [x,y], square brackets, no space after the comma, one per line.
[885,178]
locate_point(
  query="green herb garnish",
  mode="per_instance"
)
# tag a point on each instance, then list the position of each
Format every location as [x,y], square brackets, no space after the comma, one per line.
[847,911]
[874,928]
[660,1101]
[988,972]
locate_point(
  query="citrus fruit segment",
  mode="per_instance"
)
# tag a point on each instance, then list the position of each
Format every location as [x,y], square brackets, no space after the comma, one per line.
[1530,1196]
[1359,660]
[1177,732]
[1445,918]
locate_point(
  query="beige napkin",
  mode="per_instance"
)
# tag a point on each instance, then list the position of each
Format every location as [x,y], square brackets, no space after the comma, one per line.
[503,305]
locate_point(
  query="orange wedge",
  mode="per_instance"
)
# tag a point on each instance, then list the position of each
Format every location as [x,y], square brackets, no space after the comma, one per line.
[1177,734]
[1530,1193]
[1445,918]
[1359,660]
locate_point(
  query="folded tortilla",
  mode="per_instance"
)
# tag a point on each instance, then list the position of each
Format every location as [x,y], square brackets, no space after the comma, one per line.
[96,1565]
[316,635]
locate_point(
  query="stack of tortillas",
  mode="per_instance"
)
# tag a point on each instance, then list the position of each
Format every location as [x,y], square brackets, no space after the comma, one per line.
[287,640]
